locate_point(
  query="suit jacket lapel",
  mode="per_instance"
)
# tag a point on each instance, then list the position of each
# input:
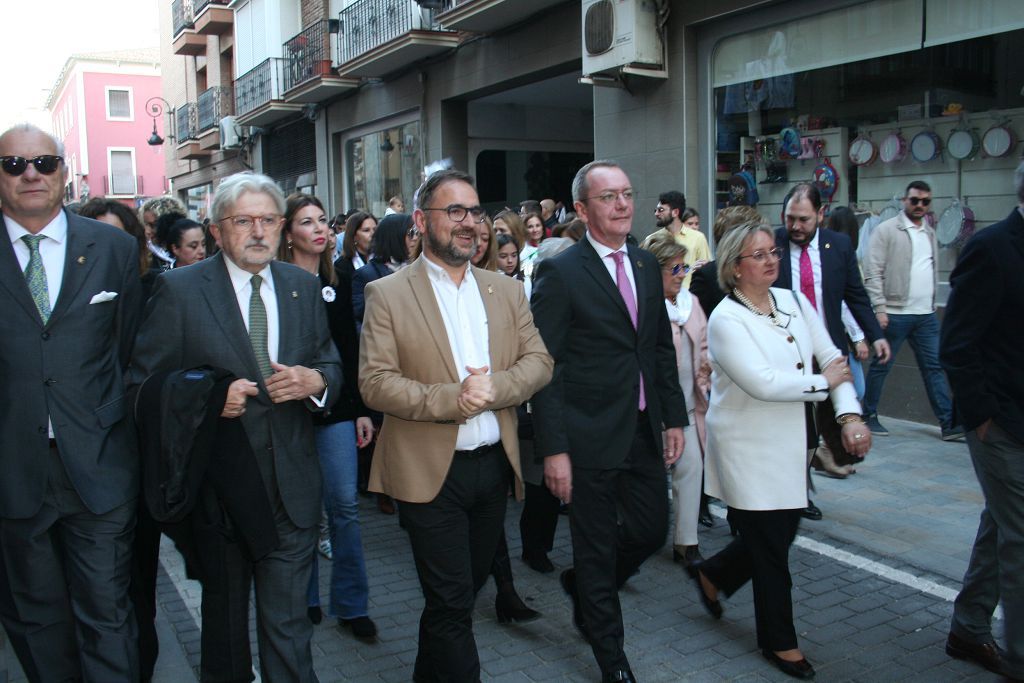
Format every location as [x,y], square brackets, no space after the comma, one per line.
[220,297]
[641,286]
[12,278]
[423,293]
[79,260]
[495,342]
[828,263]
[592,264]
[785,278]
[289,319]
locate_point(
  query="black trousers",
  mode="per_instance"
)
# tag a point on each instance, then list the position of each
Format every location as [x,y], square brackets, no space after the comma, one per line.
[539,520]
[760,553]
[618,519]
[454,538]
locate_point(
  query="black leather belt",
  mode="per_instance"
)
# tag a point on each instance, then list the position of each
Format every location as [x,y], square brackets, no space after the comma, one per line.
[479,451]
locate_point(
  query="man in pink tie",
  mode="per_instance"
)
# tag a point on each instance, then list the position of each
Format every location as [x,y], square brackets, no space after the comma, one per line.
[598,426]
[822,265]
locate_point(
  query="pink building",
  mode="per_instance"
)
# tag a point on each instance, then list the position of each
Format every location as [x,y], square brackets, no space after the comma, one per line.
[98,109]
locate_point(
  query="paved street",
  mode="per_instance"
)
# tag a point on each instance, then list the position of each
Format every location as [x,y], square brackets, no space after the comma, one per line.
[873,583]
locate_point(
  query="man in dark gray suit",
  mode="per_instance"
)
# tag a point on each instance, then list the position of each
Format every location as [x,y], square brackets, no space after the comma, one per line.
[265,322]
[68,457]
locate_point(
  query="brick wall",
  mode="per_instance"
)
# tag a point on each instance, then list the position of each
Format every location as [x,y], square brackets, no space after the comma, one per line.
[313,11]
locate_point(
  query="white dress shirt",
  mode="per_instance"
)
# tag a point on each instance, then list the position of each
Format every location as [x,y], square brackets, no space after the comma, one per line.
[465,323]
[609,263]
[51,250]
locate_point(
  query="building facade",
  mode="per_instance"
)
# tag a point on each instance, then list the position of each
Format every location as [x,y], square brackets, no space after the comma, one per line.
[98,110]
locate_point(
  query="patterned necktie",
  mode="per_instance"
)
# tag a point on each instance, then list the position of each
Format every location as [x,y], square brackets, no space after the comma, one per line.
[35,275]
[258,328]
[626,290]
[807,276]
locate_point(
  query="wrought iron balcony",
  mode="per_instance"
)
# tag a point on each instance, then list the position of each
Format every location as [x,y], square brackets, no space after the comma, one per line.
[186,122]
[213,105]
[308,55]
[200,5]
[486,16]
[378,36]
[258,99]
[182,15]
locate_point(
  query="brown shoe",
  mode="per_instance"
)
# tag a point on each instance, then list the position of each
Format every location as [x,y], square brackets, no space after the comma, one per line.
[385,504]
[989,655]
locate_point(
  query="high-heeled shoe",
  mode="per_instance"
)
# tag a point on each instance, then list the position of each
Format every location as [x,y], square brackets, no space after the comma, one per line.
[686,555]
[713,607]
[510,607]
[799,669]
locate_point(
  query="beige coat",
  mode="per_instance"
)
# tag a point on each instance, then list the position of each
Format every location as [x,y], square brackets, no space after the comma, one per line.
[696,329]
[406,371]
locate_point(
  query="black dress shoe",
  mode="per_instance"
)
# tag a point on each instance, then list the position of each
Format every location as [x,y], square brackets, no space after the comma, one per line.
[812,511]
[714,607]
[510,607]
[362,628]
[315,614]
[798,669]
[989,655]
[568,581]
[619,676]
[687,556]
[539,562]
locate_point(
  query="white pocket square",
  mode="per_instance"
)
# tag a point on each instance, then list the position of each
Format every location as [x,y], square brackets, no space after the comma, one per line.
[103,296]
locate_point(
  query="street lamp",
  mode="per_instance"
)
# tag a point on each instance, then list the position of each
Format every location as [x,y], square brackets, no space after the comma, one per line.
[156,106]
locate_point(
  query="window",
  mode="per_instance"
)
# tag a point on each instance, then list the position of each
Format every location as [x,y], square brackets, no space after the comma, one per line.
[383,164]
[122,171]
[119,104]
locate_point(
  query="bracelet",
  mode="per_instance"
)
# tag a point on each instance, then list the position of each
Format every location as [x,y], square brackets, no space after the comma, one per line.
[847,418]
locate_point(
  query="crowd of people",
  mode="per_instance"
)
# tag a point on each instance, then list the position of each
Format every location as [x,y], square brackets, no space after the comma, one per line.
[235,385]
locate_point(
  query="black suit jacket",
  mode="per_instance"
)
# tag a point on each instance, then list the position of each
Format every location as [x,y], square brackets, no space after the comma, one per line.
[70,370]
[840,280]
[589,408]
[980,343]
[704,285]
[193,319]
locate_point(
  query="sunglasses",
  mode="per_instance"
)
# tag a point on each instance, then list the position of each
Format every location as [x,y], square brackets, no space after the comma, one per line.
[412,233]
[678,269]
[923,201]
[45,164]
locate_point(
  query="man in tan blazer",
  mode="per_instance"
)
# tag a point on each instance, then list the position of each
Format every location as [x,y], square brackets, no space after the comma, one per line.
[448,351]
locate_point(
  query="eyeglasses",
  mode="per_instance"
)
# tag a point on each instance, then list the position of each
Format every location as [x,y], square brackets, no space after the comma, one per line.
[268,222]
[760,256]
[412,233]
[923,201]
[678,269]
[46,164]
[457,212]
[609,197]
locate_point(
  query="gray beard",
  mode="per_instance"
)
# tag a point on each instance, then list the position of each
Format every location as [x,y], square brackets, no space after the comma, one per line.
[447,252]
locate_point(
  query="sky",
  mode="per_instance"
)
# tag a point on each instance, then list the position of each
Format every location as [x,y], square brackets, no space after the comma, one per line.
[40,35]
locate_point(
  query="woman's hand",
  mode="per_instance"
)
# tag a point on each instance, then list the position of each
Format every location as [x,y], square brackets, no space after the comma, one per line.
[837,372]
[857,438]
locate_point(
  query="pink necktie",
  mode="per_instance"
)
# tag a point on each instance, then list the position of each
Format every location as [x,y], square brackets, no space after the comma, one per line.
[626,290]
[807,276]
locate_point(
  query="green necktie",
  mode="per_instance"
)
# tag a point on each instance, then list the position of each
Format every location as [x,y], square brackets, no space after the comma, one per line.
[258,328]
[35,274]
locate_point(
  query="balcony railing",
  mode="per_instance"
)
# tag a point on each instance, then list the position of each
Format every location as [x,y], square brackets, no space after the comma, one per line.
[367,24]
[182,15]
[259,85]
[200,5]
[308,55]
[186,122]
[213,105]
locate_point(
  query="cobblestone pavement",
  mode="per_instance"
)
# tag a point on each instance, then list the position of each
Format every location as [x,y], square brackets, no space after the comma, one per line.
[873,584]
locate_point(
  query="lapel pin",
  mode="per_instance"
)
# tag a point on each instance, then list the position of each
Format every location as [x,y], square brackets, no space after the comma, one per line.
[295,295]
[490,289]
[639,264]
[828,245]
[81,260]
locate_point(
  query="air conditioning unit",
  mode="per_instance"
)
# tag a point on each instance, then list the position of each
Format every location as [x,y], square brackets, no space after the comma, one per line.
[621,33]
[231,134]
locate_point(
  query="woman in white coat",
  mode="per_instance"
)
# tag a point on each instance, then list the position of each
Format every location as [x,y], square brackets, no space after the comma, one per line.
[763,343]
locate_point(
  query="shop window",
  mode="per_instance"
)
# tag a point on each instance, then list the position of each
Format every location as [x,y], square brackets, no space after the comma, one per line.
[382,165]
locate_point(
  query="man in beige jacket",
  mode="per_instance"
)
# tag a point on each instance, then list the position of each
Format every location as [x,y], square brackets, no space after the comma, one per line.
[448,351]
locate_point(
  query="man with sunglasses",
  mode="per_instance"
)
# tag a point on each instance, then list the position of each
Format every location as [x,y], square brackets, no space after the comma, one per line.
[68,454]
[901,277]
[448,351]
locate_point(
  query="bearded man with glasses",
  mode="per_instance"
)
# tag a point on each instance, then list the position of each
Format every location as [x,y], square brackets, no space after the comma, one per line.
[67,452]
[264,322]
[901,277]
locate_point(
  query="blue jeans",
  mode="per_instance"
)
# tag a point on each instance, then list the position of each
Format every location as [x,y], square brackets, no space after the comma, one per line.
[922,331]
[350,591]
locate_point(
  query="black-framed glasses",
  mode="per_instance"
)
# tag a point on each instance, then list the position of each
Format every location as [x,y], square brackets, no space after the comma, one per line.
[412,233]
[678,269]
[267,222]
[457,212]
[923,201]
[760,256]
[47,164]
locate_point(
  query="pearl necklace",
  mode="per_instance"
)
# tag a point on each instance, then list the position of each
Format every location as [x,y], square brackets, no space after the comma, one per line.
[773,312]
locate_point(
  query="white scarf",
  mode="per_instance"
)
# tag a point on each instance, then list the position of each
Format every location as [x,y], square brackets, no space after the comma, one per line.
[679,312]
